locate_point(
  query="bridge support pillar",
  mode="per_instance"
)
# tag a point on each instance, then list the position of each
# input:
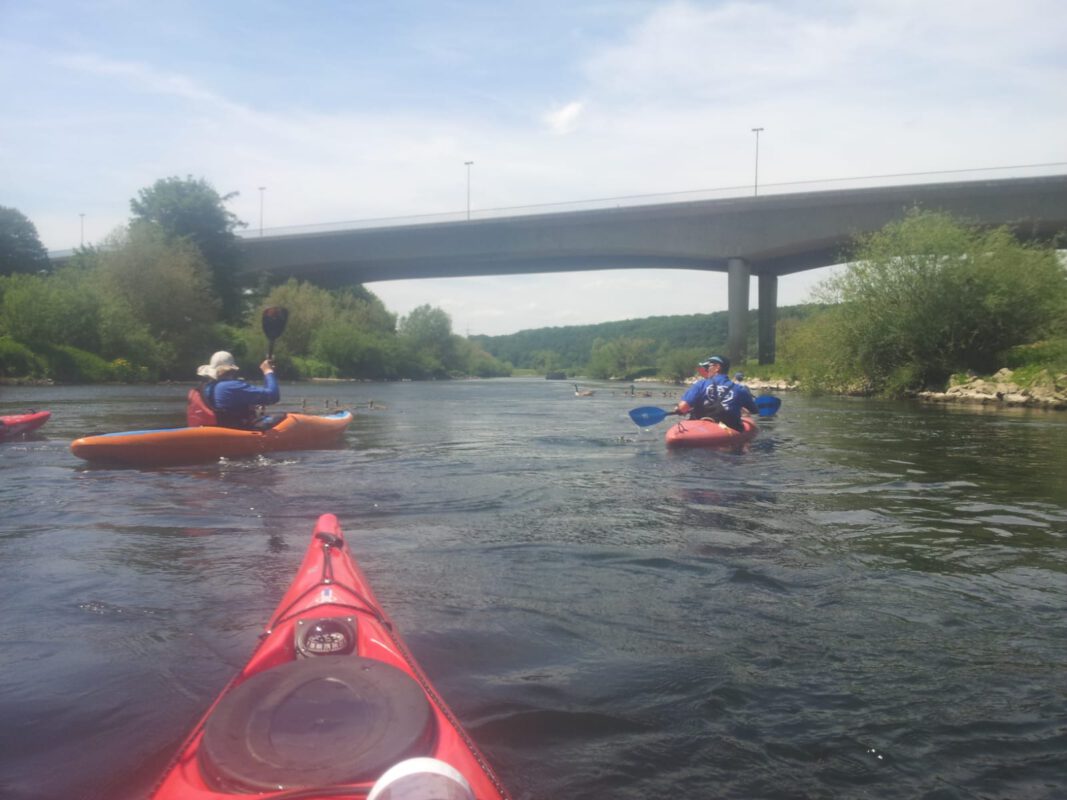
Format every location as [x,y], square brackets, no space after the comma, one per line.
[737,296]
[768,317]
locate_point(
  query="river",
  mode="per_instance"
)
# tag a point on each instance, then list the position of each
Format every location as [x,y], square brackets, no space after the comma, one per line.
[870,601]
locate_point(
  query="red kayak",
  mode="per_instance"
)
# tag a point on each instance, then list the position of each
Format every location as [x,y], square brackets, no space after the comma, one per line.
[707,433]
[15,425]
[330,705]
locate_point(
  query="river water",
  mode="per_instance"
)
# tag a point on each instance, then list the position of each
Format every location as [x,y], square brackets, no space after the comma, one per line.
[868,602]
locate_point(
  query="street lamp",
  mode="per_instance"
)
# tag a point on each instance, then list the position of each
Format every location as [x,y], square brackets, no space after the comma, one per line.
[468,164]
[262,189]
[755,184]
[82,215]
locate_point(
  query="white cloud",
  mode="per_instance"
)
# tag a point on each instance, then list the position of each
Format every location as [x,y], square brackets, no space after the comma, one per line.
[564,119]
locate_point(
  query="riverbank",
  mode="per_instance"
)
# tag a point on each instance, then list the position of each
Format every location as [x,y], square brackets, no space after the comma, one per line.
[1044,391]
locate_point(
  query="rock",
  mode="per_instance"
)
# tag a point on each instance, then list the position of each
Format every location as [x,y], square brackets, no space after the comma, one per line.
[1001,389]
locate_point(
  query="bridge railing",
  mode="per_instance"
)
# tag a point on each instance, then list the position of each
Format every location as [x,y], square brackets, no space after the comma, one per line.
[739,192]
[721,193]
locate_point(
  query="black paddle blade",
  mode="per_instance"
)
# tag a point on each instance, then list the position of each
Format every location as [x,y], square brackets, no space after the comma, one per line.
[274,321]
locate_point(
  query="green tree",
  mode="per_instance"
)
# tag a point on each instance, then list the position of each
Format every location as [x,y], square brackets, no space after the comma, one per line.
[190,208]
[680,365]
[159,286]
[428,332]
[928,296]
[476,361]
[357,353]
[20,248]
[50,310]
[624,358]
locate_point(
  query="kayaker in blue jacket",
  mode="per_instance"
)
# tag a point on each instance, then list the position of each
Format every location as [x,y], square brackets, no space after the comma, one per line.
[235,403]
[716,397]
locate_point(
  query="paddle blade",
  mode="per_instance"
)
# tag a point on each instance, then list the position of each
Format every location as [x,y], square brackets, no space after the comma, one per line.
[648,415]
[274,321]
[768,405]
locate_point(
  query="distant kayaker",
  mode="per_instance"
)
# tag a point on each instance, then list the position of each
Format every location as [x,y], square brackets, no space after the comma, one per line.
[227,400]
[716,397]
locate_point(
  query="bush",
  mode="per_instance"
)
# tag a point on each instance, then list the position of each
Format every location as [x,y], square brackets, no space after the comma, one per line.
[122,370]
[18,361]
[71,365]
[1050,353]
[313,368]
[924,298]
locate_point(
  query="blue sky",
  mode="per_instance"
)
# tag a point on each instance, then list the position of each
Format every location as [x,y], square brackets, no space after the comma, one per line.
[349,111]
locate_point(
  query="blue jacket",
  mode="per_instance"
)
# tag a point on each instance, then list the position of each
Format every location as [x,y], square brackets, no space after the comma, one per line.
[235,400]
[720,398]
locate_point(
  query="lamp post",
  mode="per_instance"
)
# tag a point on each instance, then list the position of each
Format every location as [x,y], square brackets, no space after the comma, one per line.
[262,189]
[82,215]
[755,183]
[468,165]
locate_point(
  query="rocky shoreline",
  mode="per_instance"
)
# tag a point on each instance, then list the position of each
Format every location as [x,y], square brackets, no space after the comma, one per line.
[1045,391]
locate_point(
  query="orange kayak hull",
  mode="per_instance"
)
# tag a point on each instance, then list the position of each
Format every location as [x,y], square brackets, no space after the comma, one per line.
[176,446]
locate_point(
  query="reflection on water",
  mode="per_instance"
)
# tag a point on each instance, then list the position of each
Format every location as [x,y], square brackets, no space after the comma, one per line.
[868,601]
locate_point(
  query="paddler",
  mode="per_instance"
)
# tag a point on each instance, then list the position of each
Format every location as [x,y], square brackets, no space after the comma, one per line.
[227,400]
[716,397]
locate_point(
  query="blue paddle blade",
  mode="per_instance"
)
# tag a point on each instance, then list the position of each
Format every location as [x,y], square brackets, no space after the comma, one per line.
[648,415]
[768,405]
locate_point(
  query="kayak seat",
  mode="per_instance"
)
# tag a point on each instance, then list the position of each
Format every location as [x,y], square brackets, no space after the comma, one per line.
[312,722]
[269,421]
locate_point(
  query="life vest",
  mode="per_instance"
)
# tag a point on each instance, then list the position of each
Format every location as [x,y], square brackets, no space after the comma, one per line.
[197,411]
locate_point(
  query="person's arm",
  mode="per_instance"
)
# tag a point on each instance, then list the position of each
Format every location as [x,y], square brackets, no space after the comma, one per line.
[689,399]
[748,403]
[235,395]
[270,382]
[272,393]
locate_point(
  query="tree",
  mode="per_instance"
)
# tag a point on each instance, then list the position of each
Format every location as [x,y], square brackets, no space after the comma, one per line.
[20,248]
[679,365]
[163,287]
[623,358]
[930,295]
[191,209]
[49,310]
[428,331]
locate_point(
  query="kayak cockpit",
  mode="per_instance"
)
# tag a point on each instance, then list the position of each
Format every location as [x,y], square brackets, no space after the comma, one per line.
[317,721]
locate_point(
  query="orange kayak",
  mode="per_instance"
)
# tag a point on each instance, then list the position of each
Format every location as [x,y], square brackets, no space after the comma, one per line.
[706,433]
[330,705]
[174,446]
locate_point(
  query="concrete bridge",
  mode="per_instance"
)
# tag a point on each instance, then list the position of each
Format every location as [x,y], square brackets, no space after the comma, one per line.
[767,237]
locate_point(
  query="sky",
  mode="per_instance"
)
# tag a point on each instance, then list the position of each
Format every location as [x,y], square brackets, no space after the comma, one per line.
[348,111]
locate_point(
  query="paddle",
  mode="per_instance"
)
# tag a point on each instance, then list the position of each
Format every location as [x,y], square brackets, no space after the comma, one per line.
[649,415]
[274,320]
[768,405]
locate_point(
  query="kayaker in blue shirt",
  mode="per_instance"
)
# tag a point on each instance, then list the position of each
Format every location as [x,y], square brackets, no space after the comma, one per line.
[234,402]
[716,397]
